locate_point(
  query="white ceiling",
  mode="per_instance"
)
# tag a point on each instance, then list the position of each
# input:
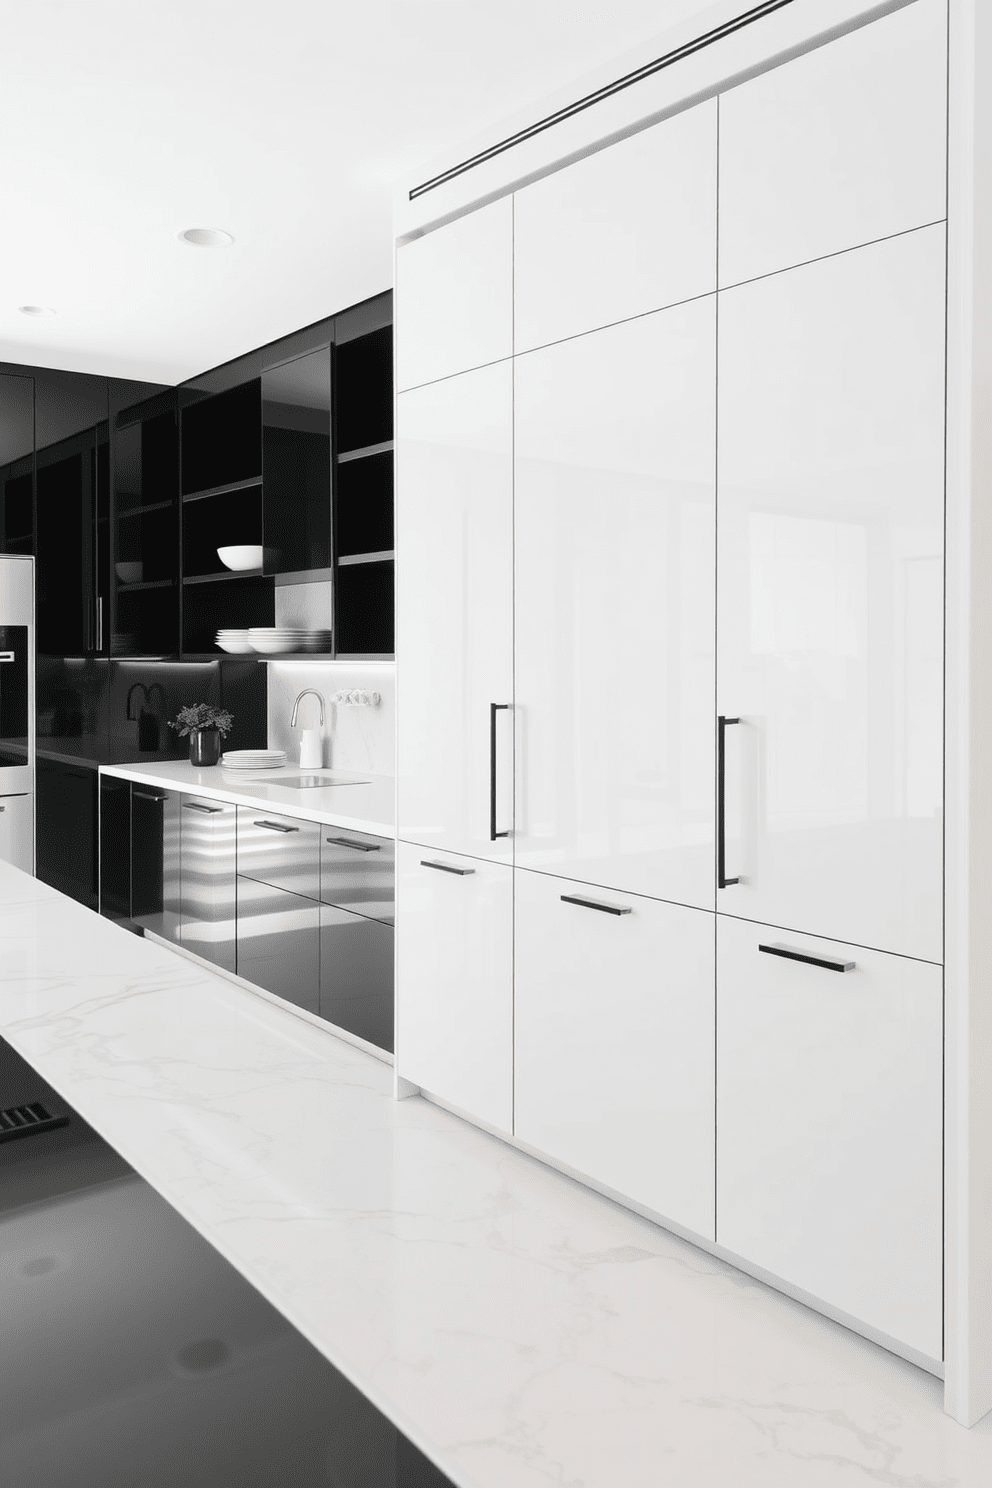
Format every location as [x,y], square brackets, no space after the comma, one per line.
[284,121]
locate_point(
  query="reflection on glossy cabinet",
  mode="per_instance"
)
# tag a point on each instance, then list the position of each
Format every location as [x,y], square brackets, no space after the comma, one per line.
[356,975]
[614,605]
[627,230]
[830,606]
[839,147]
[454,950]
[455,612]
[279,942]
[207,836]
[829,1113]
[614,1030]
[454,290]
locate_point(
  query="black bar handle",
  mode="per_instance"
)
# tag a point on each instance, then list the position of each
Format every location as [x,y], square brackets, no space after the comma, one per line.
[829,963]
[355,846]
[275,826]
[446,868]
[196,806]
[144,795]
[722,725]
[494,708]
[614,909]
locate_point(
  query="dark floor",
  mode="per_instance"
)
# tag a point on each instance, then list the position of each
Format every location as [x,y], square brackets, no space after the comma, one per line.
[132,1355]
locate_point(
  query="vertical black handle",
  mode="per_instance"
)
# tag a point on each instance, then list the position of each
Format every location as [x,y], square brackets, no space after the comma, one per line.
[494,708]
[722,881]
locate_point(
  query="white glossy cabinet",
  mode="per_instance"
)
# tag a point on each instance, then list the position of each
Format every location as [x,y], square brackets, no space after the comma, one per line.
[614,605]
[454,293]
[17,831]
[830,605]
[829,1113]
[614,1041]
[454,955]
[454,517]
[627,230]
[837,148]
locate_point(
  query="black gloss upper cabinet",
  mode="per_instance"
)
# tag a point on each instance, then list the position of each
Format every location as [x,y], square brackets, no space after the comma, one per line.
[296,463]
[16,464]
[146,528]
[363,390]
[221,439]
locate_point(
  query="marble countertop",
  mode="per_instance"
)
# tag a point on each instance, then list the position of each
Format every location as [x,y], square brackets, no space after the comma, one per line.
[522,1330]
[369,805]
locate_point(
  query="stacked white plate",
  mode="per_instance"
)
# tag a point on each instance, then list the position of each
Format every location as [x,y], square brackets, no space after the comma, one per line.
[235,641]
[254,759]
[276,640]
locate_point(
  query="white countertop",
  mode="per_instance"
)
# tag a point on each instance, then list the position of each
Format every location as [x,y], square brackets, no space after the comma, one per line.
[369,806]
[523,1331]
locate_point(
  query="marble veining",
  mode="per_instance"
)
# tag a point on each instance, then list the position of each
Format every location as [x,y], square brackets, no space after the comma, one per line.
[366,807]
[522,1330]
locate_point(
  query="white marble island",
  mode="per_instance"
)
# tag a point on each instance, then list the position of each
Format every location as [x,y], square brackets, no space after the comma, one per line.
[522,1330]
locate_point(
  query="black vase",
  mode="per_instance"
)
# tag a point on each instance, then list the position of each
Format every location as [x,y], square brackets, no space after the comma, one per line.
[204,746]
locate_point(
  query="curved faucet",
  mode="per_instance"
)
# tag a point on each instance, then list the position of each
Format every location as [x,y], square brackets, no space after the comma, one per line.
[296,706]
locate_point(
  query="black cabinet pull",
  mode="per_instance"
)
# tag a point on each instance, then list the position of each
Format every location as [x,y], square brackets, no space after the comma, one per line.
[829,963]
[446,868]
[147,796]
[355,846]
[275,826]
[6,656]
[196,806]
[494,708]
[614,909]
[722,881]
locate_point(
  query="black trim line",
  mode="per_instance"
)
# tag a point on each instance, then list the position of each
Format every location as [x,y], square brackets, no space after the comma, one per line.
[607,91]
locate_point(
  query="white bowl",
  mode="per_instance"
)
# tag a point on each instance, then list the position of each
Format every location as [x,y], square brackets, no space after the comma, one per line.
[129,573]
[274,645]
[236,648]
[247,555]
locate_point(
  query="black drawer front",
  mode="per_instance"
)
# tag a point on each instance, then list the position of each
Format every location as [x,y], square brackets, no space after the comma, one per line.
[356,975]
[279,850]
[279,942]
[358,872]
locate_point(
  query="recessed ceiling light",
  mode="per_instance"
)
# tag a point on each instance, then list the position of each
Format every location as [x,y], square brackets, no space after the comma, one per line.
[36,310]
[206,237]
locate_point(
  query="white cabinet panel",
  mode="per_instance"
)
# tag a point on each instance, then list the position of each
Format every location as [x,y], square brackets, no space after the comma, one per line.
[17,831]
[454,622]
[454,296]
[614,1042]
[614,605]
[830,606]
[454,969]
[829,1112]
[837,148]
[627,230]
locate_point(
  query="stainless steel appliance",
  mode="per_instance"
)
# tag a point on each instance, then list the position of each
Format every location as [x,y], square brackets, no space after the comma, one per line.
[17,741]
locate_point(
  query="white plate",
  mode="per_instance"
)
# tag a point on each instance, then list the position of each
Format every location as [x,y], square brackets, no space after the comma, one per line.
[236,648]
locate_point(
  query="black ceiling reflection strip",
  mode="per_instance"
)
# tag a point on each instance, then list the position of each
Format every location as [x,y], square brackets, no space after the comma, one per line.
[607,91]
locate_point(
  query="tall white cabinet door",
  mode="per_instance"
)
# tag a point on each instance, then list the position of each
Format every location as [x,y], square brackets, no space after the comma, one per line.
[627,230]
[837,148]
[454,621]
[454,978]
[830,605]
[829,1135]
[454,296]
[614,595]
[614,1041]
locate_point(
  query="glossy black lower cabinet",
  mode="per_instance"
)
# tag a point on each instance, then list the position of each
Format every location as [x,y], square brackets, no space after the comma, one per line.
[65,826]
[115,848]
[356,975]
[208,838]
[279,942]
[155,885]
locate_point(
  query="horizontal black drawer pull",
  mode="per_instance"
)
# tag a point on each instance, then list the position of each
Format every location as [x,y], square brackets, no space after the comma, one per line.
[275,826]
[147,796]
[616,909]
[196,806]
[446,868]
[355,846]
[829,963]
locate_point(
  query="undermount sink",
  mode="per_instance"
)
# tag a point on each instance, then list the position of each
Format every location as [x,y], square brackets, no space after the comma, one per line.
[313,782]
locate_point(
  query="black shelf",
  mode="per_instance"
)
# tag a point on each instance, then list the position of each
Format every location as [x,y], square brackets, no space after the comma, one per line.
[355,560]
[140,511]
[224,490]
[145,584]
[384,448]
[224,576]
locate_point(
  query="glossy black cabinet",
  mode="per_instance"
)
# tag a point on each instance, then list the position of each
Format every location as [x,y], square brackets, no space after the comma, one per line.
[155,862]
[115,848]
[296,464]
[208,850]
[65,828]
[16,464]
[356,975]
[221,438]
[145,620]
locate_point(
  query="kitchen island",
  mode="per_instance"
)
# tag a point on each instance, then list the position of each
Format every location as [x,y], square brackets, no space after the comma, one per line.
[519,1328]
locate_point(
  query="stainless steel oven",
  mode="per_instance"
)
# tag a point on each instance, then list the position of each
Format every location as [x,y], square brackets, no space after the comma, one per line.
[17,740]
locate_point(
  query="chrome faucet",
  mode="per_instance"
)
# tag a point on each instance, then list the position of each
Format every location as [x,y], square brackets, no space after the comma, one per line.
[296,706]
